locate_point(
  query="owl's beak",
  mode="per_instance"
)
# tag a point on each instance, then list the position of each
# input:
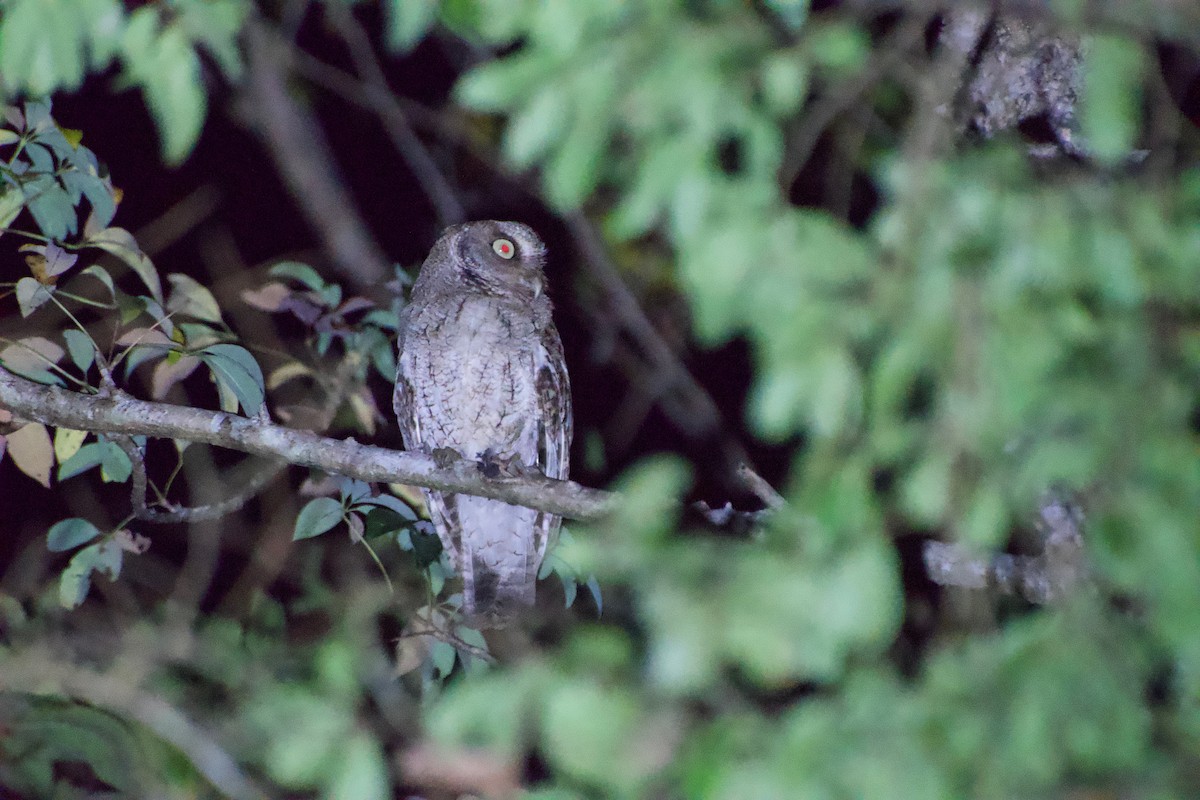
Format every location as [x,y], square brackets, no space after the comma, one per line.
[534,284]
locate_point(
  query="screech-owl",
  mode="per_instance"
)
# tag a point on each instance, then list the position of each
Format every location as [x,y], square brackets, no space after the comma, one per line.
[481,371]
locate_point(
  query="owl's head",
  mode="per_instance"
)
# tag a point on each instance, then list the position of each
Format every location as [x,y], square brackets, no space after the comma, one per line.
[489,257]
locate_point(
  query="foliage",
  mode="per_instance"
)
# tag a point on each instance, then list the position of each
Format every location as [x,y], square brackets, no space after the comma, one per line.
[994,326]
[52,46]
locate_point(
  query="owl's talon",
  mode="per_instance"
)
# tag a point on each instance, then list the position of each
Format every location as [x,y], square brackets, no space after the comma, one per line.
[493,465]
[445,456]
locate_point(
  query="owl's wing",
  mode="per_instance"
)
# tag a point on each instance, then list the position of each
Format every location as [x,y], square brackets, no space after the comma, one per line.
[556,424]
[442,509]
[404,404]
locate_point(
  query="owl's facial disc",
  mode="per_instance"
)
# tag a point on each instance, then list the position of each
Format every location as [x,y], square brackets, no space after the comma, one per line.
[500,258]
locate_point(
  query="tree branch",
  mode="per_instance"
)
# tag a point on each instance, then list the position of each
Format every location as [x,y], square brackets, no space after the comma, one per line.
[424,169]
[304,160]
[124,414]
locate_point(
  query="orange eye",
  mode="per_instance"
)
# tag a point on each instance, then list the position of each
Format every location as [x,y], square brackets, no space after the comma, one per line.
[504,248]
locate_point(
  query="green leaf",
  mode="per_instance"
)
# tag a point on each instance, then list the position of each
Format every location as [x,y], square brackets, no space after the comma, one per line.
[318,516]
[236,370]
[360,770]
[51,208]
[80,348]
[103,556]
[382,521]
[537,126]
[298,272]
[12,200]
[31,358]
[390,502]
[70,533]
[74,583]
[88,456]
[41,46]
[1110,106]
[191,299]
[115,466]
[121,244]
[497,85]
[593,586]
[794,13]
[216,24]
[407,22]
[785,83]
[441,656]
[586,728]
[574,170]
[101,274]
[650,489]
[165,64]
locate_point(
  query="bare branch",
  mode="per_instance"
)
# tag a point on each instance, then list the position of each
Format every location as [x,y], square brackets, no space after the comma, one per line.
[439,192]
[1053,575]
[124,414]
[303,158]
[460,771]
[760,487]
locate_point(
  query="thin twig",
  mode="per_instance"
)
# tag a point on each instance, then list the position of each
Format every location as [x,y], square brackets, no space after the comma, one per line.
[840,98]
[759,487]
[303,158]
[437,189]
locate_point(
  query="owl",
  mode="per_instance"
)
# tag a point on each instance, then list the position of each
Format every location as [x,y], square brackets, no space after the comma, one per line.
[481,372]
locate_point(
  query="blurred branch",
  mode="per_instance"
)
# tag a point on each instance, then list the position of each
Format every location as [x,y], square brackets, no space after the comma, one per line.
[122,414]
[803,138]
[303,158]
[38,671]
[460,771]
[759,487]
[693,409]
[445,202]
[933,126]
[1053,574]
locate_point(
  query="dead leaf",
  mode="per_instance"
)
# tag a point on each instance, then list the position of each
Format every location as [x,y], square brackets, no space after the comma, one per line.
[131,542]
[362,405]
[285,373]
[67,443]
[411,652]
[268,297]
[145,336]
[30,354]
[323,486]
[167,374]
[191,299]
[48,261]
[32,451]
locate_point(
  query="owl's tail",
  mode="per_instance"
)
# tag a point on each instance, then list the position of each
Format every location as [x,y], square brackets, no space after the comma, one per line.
[499,560]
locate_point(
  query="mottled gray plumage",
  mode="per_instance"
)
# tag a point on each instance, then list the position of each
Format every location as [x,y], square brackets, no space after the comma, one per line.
[481,371]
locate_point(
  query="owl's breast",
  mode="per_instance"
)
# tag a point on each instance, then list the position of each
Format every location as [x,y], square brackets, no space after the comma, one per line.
[471,365]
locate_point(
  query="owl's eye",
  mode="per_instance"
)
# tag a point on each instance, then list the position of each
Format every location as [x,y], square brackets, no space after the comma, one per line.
[504,248]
